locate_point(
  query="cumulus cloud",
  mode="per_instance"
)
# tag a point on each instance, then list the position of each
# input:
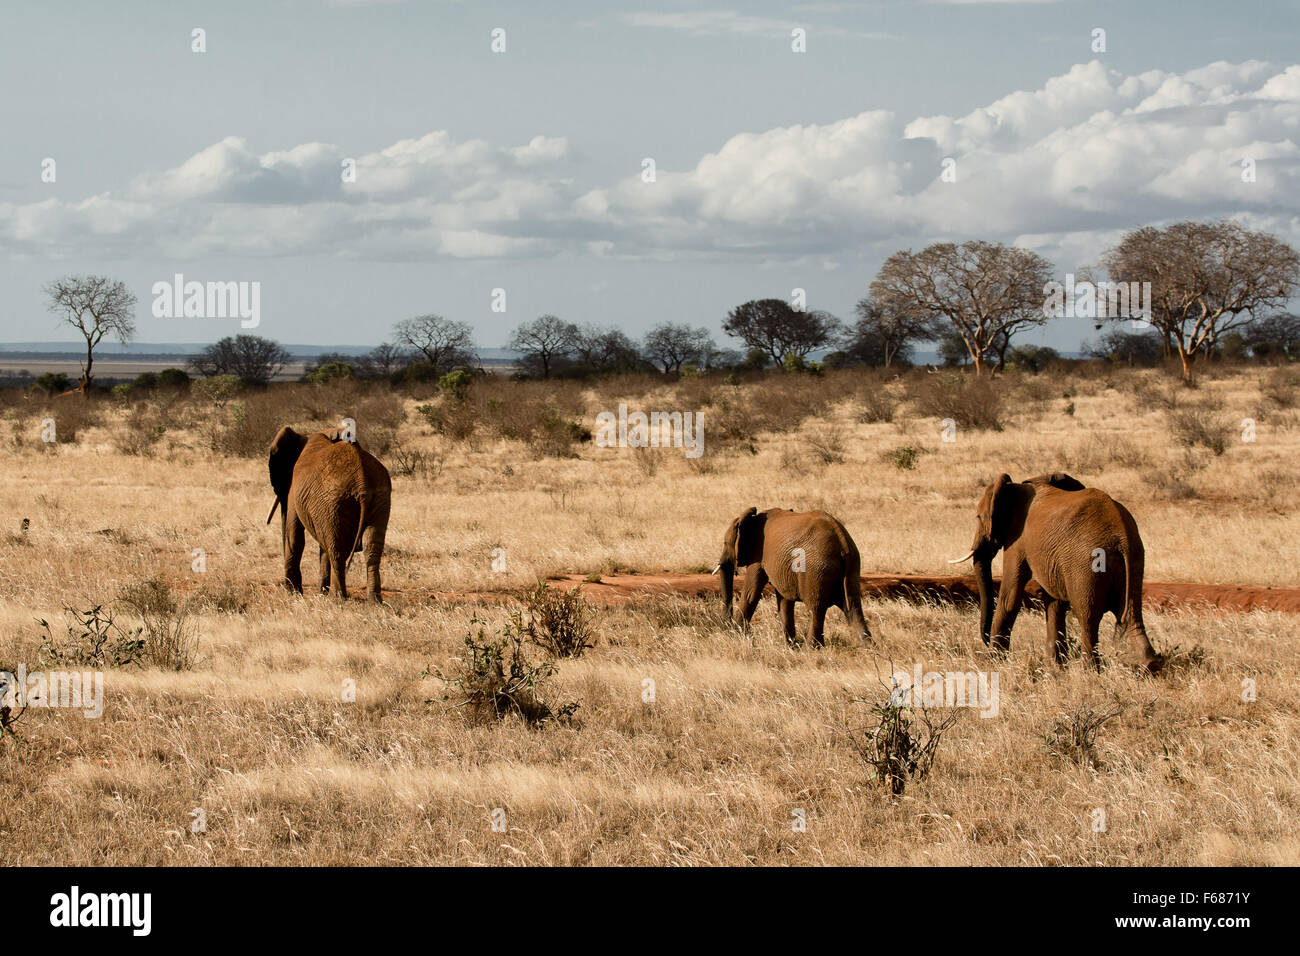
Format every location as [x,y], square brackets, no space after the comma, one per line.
[1067,166]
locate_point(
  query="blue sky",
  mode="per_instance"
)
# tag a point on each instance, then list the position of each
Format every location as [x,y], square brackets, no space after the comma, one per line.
[522,170]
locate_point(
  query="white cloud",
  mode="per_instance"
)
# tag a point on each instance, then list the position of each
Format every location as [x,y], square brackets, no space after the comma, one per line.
[1071,164]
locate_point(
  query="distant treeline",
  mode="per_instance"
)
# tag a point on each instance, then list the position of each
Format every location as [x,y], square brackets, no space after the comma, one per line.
[1197,291]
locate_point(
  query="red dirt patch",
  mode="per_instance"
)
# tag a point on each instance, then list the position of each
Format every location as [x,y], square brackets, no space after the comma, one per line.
[1156,595]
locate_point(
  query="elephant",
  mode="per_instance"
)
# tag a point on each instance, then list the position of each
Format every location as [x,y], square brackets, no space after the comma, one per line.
[337,492]
[807,556]
[1079,544]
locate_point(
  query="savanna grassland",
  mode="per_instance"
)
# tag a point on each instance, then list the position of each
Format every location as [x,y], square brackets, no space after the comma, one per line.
[244,713]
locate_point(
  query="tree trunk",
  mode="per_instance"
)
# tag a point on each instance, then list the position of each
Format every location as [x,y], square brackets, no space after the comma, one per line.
[85,373]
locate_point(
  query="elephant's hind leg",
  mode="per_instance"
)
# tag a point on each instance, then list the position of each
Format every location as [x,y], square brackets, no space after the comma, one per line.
[1057,645]
[1091,622]
[786,610]
[295,539]
[339,572]
[817,611]
[324,572]
[372,545]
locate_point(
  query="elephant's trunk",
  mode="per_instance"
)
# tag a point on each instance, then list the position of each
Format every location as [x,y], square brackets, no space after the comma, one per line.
[727,569]
[984,577]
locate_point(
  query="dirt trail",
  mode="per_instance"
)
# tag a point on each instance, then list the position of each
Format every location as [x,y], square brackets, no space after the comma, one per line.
[1156,595]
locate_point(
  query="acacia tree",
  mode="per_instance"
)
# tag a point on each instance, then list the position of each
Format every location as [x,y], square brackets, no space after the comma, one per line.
[95,306]
[250,358]
[883,335]
[670,345]
[1206,279]
[985,290]
[606,350]
[776,328]
[444,344]
[545,342]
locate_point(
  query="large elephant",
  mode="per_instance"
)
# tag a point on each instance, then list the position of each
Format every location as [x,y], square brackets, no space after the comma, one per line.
[807,556]
[1079,544]
[338,493]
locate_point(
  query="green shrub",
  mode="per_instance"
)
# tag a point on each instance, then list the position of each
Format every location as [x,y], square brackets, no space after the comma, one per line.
[175,378]
[495,679]
[53,383]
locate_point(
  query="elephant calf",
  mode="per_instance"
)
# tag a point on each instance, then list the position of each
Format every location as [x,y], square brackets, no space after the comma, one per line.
[338,493]
[807,557]
[1079,544]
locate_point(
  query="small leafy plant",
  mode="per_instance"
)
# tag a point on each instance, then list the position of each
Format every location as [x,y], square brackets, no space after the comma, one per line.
[903,742]
[92,640]
[495,679]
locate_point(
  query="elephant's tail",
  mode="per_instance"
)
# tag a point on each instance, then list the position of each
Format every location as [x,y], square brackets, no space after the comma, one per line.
[1134,566]
[361,527]
[853,591]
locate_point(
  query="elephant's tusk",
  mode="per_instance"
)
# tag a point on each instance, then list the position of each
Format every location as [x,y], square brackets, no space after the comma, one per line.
[965,557]
[716,569]
[271,514]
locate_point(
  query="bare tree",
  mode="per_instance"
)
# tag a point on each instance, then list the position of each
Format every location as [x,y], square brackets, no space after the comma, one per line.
[883,335]
[95,306]
[777,328]
[671,345]
[606,350]
[444,344]
[1206,279]
[386,358]
[250,358]
[546,341]
[987,291]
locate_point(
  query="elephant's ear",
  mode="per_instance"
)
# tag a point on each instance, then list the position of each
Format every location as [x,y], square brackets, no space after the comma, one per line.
[749,537]
[993,511]
[1058,479]
[283,455]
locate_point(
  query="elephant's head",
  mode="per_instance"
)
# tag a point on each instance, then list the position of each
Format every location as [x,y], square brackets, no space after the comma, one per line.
[742,545]
[285,449]
[999,521]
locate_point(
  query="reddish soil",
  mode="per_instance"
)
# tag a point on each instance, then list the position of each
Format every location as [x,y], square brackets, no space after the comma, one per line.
[1156,595]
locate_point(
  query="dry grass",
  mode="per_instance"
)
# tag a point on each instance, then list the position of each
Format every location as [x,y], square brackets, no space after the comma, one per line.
[692,743]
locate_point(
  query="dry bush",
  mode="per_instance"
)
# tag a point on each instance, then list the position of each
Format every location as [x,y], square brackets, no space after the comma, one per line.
[169,631]
[900,747]
[495,679]
[557,620]
[143,429]
[245,428]
[1199,425]
[1073,735]
[826,445]
[904,457]
[974,402]
[729,426]
[1095,452]
[1281,387]
[72,415]
[876,404]
[784,400]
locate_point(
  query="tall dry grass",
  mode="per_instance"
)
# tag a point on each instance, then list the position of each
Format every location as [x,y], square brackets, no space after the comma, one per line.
[307,732]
